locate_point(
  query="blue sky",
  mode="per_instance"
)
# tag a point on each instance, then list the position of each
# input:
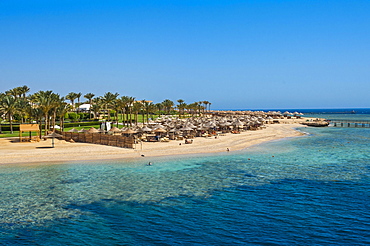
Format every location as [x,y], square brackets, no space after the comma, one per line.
[235,54]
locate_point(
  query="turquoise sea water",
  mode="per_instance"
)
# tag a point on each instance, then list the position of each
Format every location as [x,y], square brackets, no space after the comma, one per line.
[310,190]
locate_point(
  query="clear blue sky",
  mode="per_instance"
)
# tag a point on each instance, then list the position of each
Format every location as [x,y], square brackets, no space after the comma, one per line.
[235,54]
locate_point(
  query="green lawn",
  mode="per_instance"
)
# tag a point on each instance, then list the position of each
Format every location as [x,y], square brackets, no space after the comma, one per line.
[6,134]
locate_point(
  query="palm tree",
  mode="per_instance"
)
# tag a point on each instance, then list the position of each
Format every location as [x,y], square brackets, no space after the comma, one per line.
[23,106]
[46,101]
[72,97]
[130,103]
[36,114]
[108,99]
[61,110]
[24,90]
[9,107]
[200,107]
[136,107]
[15,92]
[2,95]
[181,106]
[96,107]
[168,104]
[116,106]
[143,112]
[58,103]
[89,96]
[192,107]
[78,95]
[147,108]
[205,103]
[159,107]
[123,103]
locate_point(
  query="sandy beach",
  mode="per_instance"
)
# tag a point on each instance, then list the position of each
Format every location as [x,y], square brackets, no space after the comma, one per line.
[14,152]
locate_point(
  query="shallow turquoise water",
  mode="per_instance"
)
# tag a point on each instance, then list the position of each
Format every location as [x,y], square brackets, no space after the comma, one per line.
[308,190]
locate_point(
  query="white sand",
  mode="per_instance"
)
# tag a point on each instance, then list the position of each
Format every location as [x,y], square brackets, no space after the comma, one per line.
[38,153]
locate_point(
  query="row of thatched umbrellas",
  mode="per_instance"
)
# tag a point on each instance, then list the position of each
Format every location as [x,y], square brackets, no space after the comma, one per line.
[176,125]
[170,124]
[254,113]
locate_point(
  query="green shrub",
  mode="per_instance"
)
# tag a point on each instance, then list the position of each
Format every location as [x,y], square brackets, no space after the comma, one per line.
[76,124]
[83,116]
[6,127]
[73,116]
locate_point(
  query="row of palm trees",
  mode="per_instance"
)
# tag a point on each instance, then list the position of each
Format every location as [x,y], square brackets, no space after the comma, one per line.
[45,107]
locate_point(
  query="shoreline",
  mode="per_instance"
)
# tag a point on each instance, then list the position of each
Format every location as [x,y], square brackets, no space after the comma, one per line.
[39,153]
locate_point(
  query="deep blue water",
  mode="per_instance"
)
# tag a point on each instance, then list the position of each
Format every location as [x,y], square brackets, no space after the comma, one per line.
[323,111]
[310,190]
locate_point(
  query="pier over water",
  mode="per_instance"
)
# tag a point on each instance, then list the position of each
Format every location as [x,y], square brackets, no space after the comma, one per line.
[350,123]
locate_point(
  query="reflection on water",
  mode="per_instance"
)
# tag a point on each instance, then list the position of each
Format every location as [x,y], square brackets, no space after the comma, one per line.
[41,194]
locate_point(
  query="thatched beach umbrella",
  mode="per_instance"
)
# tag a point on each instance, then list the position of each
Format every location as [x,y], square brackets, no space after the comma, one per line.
[115,129]
[186,129]
[286,113]
[52,136]
[146,129]
[161,130]
[129,131]
[238,123]
[73,130]
[159,126]
[93,130]
[202,128]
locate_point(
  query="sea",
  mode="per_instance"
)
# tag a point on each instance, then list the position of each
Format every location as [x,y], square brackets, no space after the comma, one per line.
[307,190]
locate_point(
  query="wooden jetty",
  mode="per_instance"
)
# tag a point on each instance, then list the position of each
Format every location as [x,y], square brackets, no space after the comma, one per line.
[350,123]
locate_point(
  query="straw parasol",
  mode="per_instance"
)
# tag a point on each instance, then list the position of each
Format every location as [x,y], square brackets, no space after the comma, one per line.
[93,130]
[159,126]
[52,136]
[160,130]
[115,129]
[186,129]
[146,129]
[129,131]
[73,130]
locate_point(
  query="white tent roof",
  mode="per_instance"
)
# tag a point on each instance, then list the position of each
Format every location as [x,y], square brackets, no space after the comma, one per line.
[85,106]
